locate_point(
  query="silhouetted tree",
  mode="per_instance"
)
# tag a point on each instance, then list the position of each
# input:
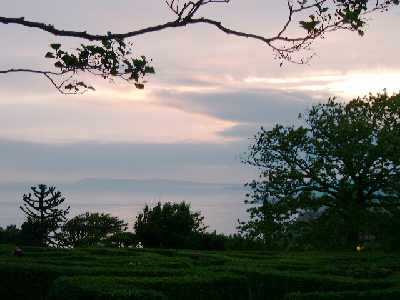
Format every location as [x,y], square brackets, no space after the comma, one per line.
[168,225]
[338,173]
[9,235]
[112,55]
[90,228]
[30,234]
[44,213]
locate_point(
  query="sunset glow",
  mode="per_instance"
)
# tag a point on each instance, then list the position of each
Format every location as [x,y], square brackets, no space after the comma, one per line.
[360,84]
[352,84]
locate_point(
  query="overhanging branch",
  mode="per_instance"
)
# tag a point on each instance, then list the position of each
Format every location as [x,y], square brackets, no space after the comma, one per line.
[323,16]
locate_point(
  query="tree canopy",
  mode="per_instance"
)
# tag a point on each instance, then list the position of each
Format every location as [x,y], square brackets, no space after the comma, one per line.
[168,225]
[110,55]
[340,171]
[88,229]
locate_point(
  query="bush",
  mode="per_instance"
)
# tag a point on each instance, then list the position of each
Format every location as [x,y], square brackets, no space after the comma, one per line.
[215,242]
[168,225]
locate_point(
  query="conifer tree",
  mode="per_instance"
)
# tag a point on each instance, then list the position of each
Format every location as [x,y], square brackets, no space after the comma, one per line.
[43,210]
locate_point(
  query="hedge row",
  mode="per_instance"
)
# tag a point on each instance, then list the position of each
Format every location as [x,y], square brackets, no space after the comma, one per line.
[276,284]
[98,288]
[25,282]
[194,287]
[385,294]
[214,285]
[32,281]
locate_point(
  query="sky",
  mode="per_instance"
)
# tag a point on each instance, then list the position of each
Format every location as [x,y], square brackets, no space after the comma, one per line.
[196,116]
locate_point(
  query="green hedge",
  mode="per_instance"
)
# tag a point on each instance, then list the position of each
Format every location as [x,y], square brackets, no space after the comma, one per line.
[195,275]
[31,281]
[276,284]
[194,287]
[24,282]
[98,288]
[386,294]
[217,285]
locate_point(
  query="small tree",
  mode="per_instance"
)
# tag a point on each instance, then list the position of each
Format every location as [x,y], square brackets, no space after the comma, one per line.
[90,228]
[168,225]
[340,172]
[44,213]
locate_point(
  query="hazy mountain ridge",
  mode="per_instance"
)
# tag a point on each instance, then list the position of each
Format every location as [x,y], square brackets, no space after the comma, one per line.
[129,185]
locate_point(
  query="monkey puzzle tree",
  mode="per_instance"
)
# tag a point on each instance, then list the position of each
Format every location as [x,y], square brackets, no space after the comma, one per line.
[44,213]
[109,55]
[339,171]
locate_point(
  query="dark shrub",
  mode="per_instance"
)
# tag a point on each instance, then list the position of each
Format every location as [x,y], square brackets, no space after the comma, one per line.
[168,225]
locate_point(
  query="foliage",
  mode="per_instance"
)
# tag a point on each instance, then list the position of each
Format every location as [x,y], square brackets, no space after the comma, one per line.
[168,225]
[221,242]
[90,273]
[30,234]
[122,239]
[332,178]
[9,235]
[98,288]
[111,59]
[44,213]
[88,229]
[306,22]
[212,286]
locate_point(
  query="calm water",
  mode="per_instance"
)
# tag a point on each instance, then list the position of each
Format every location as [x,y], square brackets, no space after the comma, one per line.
[221,206]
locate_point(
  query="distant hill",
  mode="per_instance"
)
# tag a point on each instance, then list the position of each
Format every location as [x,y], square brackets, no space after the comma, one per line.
[131,186]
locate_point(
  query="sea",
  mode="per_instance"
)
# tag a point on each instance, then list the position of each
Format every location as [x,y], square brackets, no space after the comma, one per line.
[222,205]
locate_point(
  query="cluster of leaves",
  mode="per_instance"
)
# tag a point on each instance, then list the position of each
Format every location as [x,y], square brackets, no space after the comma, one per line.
[340,172]
[343,14]
[110,59]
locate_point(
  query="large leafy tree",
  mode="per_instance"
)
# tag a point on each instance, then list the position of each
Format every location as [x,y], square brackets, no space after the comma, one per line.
[339,171]
[168,225]
[44,211]
[89,229]
[109,55]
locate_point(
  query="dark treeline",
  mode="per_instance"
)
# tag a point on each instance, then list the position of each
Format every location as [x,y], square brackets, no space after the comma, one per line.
[168,225]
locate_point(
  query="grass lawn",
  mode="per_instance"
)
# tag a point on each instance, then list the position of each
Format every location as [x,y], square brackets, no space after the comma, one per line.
[102,273]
